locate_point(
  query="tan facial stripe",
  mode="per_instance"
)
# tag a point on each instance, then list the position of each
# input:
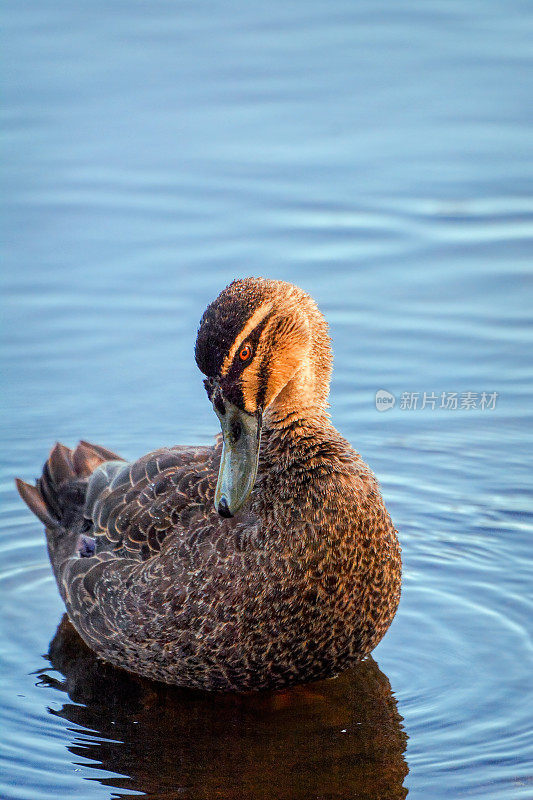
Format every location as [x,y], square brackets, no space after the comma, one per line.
[252,323]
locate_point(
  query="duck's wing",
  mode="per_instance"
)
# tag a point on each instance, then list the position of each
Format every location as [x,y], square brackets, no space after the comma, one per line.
[164,568]
[95,504]
[132,507]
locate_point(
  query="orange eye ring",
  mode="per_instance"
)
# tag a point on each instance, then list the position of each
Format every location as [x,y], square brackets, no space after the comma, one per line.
[246,352]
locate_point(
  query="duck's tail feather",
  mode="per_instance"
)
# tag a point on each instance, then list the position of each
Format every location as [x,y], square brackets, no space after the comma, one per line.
[58,497]
[33,499]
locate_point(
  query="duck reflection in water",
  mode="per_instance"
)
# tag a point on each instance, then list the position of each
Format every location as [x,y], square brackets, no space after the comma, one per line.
[338,738]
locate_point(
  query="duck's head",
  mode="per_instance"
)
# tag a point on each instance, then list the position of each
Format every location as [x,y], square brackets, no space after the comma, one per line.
[265,349]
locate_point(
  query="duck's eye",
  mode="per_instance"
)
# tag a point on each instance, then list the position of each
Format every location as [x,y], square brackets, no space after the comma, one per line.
[246,352]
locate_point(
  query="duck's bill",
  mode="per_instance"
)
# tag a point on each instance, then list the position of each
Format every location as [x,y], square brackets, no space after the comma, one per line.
[241,433]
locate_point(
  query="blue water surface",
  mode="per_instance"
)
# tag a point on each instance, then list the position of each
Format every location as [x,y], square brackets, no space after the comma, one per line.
[380,155]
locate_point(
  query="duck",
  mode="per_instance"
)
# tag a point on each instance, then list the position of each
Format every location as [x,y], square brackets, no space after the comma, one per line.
[266,560]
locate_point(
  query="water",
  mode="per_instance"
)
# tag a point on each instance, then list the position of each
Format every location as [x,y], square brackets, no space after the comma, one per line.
[380,154]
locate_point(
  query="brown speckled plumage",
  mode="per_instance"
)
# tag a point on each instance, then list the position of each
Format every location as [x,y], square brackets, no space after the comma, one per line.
[300,584]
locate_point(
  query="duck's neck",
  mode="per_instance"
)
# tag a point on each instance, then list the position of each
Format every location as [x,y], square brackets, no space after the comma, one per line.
[299,453]
[297,418]
[303,400]
[295,427]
